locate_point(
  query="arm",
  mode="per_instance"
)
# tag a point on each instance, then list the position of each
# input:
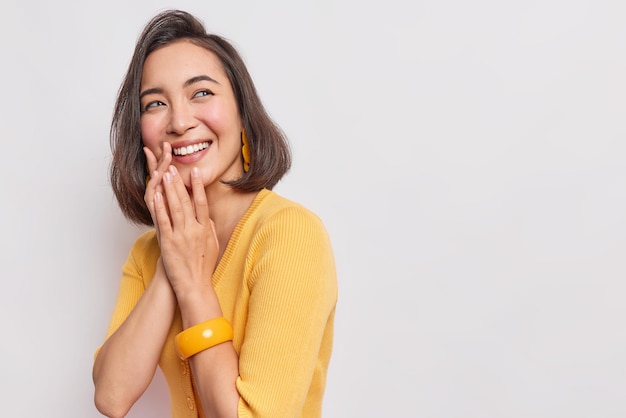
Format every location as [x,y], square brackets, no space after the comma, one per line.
[215,370]
[126,362]
[288,334]
[293,292]
[189,248]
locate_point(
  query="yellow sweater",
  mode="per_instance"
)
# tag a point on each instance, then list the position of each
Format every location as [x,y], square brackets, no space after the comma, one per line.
[277,285]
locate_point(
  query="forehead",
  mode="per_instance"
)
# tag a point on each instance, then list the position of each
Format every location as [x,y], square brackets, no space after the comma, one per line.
[180,61]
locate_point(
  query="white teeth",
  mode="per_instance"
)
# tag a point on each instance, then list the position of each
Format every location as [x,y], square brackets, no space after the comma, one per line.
[190,149]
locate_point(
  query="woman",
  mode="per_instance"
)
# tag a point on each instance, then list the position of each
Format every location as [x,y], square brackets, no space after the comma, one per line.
[233,292]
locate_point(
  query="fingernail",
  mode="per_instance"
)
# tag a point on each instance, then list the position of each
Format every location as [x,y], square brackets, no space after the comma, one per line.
[195,172]
[167,177]
[173,170]
[158,196]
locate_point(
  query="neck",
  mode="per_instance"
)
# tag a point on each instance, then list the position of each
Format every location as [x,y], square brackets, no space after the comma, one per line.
[226,208]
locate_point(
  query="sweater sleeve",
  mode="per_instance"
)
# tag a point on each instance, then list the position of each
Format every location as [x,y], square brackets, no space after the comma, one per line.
[132,283]
[293,293]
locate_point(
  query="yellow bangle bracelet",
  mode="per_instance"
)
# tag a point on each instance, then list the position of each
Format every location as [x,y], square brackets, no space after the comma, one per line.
[202,336]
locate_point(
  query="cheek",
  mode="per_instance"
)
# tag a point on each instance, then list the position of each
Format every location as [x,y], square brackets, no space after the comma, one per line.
[149,134]
[214,118]
[221,117]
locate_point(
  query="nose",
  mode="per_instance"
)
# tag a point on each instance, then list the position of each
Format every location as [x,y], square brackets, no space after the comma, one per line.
[181,119]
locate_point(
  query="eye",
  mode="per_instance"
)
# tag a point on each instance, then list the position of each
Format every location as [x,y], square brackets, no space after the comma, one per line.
[153,104]
[203,93]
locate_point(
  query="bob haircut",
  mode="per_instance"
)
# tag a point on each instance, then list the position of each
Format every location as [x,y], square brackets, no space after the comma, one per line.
[270,156]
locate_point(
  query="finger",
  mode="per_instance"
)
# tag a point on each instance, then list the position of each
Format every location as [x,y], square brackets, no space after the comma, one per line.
[157,169]
[164,163]
[165,160]
[159,166]
[151,159]
[183,193]
[199,197]
[174,204]
[162,218]
[166,157]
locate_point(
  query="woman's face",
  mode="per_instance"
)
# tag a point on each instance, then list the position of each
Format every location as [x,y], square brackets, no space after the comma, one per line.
[187,100]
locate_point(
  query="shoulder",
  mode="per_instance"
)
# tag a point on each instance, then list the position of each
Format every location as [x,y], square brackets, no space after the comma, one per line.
[276,209]
[291,242]
[146,241]
[145,248]
[283,224]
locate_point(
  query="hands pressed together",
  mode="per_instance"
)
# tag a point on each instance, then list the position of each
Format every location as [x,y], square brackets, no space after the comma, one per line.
[186,234]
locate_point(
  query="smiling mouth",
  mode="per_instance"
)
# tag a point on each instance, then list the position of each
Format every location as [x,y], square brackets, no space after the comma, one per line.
[191,149]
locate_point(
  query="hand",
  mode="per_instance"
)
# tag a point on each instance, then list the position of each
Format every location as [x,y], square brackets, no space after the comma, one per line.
[156,168]
[189,246]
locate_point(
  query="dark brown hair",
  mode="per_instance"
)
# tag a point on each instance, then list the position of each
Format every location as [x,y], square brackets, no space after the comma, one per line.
[270,157]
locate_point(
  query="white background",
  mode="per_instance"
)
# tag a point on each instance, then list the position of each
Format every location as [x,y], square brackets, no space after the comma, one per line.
[468,159]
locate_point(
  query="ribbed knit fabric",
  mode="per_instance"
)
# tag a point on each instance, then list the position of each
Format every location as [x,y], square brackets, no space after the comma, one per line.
[277,285]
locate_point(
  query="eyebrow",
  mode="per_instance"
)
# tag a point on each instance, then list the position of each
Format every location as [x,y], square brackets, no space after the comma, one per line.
[192,80]
[198,78]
